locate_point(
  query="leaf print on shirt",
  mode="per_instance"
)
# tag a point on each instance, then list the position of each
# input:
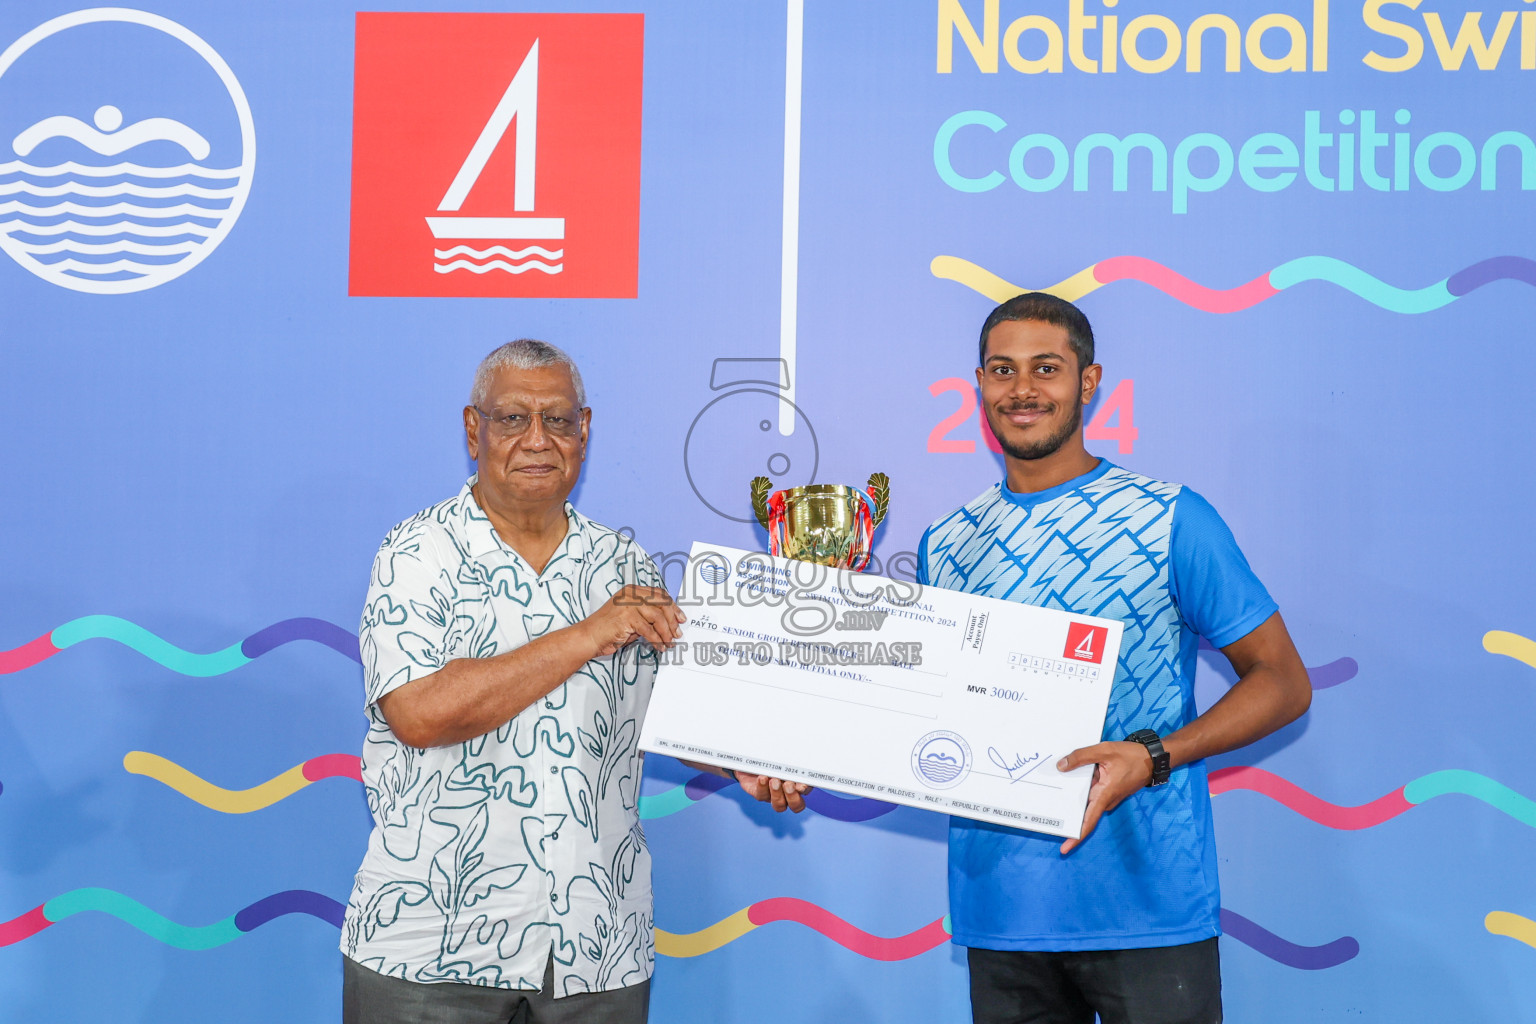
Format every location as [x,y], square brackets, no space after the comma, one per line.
[532,828]
[548,934]
[626,859]
[461,971]
[525,738]
[400,544]
[536,832]
[504,580]
[479,635]
[461,879]
[578,793]
[480,886]
[383,907]
[509,783]
[385,612]
[621,749]
[402,837]
[420,650]
[392,767]
[611,941]
[438,608]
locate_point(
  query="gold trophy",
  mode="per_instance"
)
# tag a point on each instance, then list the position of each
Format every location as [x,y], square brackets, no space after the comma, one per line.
[832,524]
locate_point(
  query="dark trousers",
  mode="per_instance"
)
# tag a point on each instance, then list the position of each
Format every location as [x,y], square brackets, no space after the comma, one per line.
[1161,985]
[368,997]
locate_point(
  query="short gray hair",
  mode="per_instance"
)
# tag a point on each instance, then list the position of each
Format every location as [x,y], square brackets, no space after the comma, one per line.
[524,354]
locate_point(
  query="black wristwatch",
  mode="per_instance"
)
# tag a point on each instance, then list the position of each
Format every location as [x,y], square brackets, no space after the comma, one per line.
[1154,745]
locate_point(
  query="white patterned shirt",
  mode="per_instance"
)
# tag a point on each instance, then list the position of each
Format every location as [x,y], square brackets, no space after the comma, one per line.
[489,854]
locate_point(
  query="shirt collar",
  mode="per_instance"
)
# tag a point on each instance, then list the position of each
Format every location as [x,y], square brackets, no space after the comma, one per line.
[482,541]
[1032,498]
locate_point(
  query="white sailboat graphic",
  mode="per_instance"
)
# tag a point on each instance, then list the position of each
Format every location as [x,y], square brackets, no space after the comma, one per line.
[519,105]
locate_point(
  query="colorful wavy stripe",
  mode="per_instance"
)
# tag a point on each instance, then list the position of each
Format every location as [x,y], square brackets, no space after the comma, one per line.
[1224,780]
[1495,794]
[1231,300]
[1521,929]
[242,801]
[783,908]
[1283,951]
[678,798]
[172,933]
[168,655]
[787,908]
[332,766]
[936,933]
[1510,645]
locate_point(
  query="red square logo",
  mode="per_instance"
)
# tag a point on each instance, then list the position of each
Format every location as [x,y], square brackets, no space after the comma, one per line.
[1086,642]
[497,155]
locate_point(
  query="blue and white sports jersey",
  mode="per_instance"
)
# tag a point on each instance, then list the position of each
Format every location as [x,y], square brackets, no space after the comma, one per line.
[1158,558]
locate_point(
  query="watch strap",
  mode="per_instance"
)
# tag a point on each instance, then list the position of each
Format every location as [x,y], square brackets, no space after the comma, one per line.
[1161,762]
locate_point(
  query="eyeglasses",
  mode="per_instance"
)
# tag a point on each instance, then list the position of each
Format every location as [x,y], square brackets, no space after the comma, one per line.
[516,424]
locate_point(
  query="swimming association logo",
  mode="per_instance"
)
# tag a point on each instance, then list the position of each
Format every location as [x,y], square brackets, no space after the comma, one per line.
[1086,642]
[496,155]
[941,759]
[126,150]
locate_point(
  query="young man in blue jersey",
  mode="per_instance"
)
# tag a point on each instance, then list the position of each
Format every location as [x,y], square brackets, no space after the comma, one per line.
[1122,922]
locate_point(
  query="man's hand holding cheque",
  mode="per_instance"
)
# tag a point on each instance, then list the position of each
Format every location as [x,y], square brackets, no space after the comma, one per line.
[648,614]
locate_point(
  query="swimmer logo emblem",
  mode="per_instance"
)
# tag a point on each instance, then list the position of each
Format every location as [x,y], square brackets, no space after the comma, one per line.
[496,155]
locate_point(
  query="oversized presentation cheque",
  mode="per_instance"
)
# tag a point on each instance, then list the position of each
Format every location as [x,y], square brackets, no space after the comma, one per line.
[917,695]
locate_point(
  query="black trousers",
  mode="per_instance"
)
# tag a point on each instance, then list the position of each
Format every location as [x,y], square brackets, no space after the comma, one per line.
[1161,985]
[368,997]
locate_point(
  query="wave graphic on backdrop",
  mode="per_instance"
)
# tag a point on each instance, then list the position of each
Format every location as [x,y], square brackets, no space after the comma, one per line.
[484,260]
[157,926]
[177,659]
[113,222]
[936,933]
[1441,783]
[1265,286]
[243,801]
[60,223]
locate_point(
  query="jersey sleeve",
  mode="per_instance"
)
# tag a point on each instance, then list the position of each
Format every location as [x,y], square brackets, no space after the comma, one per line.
[923,577]
[1216,591]
[409,612]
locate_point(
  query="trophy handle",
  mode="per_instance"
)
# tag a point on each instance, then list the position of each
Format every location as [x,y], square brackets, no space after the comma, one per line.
[880,491]
[761,485]
[865,524]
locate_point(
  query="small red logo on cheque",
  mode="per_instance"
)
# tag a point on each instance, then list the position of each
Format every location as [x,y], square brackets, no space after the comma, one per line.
[1086,642]
[496,155]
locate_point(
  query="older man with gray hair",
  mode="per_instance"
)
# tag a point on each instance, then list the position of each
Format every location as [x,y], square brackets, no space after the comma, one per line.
[509,645]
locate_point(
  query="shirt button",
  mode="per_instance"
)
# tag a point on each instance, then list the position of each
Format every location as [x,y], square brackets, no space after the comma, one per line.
[553,770]
[549,704]
[553,898]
